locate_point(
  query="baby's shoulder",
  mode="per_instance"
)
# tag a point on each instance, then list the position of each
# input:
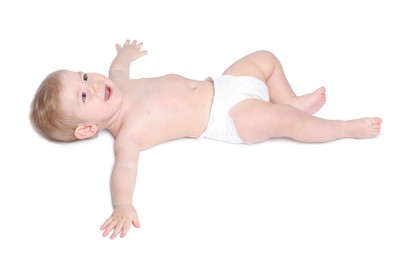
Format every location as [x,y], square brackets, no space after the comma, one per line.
[126,139]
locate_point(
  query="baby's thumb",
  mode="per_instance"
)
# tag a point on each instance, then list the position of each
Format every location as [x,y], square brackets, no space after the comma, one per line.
[136,223]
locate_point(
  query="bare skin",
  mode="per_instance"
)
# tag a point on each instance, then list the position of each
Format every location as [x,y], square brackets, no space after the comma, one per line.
[141,113]
[288,115]
[312,102]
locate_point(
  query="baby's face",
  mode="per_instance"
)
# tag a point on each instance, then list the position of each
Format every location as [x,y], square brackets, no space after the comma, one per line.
[89,97]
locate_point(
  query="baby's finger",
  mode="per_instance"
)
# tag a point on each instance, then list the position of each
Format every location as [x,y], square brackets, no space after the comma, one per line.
[117,230]
[109,227]
[136,223]
[133,43]
[125,229]
[106,223]
[127,43]
[118,47]
[139,45]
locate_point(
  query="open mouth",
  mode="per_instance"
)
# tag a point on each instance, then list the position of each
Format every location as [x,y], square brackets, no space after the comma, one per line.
[107,93]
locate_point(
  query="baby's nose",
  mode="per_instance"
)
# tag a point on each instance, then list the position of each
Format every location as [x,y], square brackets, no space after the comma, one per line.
[94,87]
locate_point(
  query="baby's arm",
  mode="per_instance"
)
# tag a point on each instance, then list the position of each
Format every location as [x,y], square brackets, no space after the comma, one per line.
[120,66]
[123,180]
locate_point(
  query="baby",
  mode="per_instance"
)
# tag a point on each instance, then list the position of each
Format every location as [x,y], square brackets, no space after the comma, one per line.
[251,102]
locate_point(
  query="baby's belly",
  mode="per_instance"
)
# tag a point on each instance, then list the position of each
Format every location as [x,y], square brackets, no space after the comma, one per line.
[184,114]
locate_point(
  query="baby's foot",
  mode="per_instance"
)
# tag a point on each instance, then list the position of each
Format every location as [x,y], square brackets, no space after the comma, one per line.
[366,127]
[312,102]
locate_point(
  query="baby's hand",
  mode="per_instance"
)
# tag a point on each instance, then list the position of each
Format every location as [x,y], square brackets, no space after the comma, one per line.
[120,221]
[131,49]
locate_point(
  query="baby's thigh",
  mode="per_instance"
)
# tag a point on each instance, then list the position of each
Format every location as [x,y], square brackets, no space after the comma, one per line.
[253,120]
[246,66]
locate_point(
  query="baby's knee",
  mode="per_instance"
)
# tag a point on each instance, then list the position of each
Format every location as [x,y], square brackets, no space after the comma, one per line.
[265,60]
[265,55]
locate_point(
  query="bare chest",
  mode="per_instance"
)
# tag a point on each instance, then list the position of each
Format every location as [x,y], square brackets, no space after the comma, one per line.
[169,109]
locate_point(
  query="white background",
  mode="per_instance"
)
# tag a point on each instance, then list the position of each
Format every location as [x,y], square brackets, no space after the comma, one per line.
[201,199]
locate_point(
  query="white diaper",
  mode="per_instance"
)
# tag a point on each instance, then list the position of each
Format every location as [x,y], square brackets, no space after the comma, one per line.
[229,91]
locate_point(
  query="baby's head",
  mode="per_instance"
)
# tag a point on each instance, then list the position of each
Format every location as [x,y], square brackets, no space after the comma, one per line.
[46,113]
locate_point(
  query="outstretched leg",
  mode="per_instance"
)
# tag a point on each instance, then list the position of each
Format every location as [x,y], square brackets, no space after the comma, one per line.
[257,121]
[265,66]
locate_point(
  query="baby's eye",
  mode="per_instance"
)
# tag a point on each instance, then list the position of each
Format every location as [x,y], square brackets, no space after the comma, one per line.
[85,77]
[83,97]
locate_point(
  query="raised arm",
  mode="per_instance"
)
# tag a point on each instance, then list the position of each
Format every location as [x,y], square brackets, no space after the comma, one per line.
[123,180]
[130,51]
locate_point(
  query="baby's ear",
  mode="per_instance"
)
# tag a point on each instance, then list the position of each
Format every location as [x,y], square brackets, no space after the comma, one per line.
[84,131]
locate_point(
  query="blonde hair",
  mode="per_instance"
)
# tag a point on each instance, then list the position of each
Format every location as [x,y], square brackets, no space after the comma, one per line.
[46,114]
